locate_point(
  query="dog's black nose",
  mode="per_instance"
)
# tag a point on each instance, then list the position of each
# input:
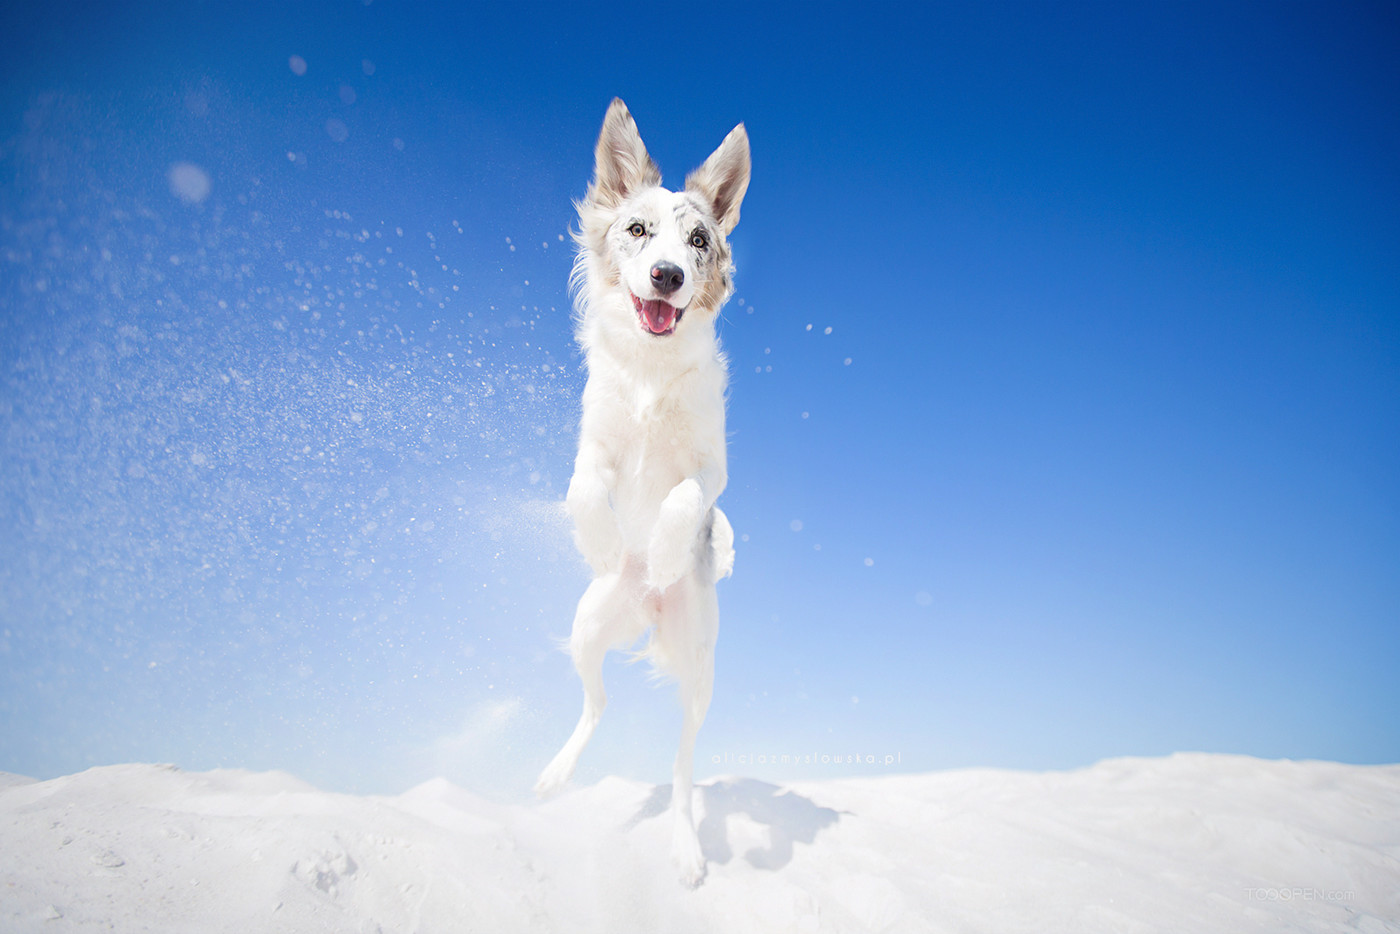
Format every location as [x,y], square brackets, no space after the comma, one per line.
[667,277]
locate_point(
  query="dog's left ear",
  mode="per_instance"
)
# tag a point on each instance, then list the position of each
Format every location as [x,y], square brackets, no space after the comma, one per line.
[724,178]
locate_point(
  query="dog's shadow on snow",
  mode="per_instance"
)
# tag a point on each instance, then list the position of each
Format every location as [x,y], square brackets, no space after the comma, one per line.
[789,817]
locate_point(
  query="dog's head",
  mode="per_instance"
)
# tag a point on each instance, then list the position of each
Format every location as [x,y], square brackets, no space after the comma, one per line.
[652,261]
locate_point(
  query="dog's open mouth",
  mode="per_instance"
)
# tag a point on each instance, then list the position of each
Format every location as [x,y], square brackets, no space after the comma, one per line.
[656,316]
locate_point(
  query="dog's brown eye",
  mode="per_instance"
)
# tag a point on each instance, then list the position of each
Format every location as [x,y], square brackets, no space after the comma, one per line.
[698,240]
[636,229]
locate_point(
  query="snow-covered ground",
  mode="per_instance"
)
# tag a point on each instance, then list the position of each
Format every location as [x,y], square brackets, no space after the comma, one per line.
[1185,843]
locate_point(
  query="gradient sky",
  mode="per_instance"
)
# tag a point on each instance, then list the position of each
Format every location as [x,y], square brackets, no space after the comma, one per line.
[1064,420]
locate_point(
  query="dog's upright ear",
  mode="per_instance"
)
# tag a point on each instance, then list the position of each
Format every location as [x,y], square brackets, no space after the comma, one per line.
[622,164]
[724,178]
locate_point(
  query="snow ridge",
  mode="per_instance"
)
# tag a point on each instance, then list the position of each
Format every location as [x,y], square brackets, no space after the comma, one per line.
[1191,842]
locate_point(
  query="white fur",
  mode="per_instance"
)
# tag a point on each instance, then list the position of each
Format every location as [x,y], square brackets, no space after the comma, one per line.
[651,455]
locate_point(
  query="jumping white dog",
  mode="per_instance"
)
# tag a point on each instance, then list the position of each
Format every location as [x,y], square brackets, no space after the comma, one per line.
[652,271]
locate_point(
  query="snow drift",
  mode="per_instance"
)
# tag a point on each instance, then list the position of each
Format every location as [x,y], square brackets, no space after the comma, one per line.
[1187,843]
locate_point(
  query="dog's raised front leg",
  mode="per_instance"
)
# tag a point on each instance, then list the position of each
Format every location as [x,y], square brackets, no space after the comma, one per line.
[671,551]
[596,532]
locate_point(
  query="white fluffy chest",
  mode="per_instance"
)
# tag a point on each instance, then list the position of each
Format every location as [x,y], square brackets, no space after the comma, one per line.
[663,444]
[655,436]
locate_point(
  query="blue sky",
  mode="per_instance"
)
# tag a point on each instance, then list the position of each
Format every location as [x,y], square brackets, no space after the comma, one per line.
[1065,410]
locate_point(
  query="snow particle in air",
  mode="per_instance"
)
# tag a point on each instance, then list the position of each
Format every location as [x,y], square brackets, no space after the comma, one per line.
[188,182]
[367,67]
[297,64]
[870,562]
[337,130]
[347,94]
[398,144]
[923,598]
[795,525]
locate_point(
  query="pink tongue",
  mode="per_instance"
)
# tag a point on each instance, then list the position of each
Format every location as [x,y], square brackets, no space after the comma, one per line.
[659,316]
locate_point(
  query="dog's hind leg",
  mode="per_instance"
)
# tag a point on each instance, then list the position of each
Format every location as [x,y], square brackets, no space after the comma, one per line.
[686,632]
[608,615]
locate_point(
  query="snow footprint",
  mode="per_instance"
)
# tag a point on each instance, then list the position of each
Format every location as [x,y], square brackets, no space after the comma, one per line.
[108,860]
[326,871]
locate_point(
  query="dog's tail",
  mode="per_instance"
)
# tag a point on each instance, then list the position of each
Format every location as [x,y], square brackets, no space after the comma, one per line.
[721,545]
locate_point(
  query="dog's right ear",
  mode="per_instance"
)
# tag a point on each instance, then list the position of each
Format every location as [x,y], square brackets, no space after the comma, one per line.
[724,178]
[622,164]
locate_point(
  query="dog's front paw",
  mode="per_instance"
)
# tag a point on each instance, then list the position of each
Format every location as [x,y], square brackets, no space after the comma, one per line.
[671,552]
[600,544]
[668,561]
[596,533]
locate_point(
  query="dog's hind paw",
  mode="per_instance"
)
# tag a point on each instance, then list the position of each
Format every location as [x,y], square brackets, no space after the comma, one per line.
[689,860]
[553,779]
